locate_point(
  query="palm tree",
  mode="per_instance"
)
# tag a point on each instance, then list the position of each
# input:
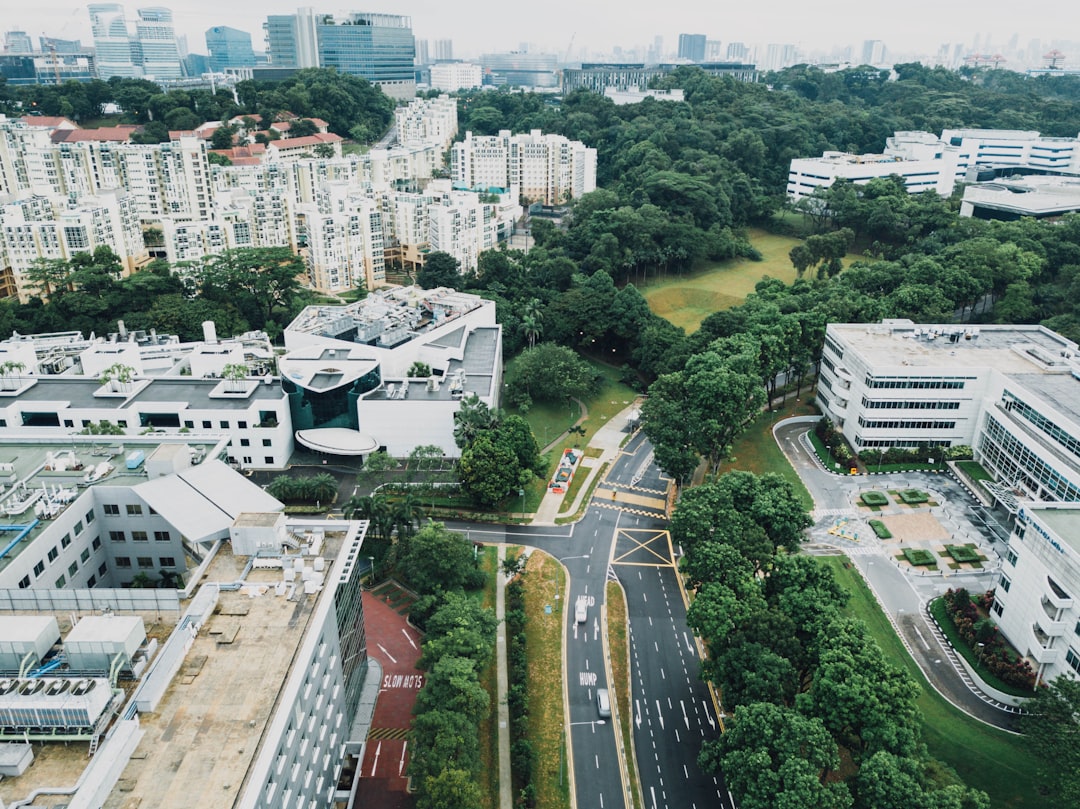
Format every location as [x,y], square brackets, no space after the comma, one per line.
[532,319]
[376,510]
[472,418]
[408,515]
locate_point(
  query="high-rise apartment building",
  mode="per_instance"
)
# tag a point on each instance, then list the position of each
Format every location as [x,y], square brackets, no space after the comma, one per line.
[449,77]
[692,47]
[443,50]
[229,48]
[378,47]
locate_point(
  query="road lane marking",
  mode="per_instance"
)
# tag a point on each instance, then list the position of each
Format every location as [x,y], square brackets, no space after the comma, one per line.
[406,634]
[686,718]
[375,763]
[659,715]
[392,658]
[401,764]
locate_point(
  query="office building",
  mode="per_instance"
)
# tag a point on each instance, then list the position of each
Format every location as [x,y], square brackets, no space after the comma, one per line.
[1009,392]
[379,47]
[692,47]
[112,41]
[927,162]
[1012,198]
[1035,602]
[873,52]
[18,42]
[449,77]
[229,48]
[154,47]
[543,168]
[519,69]
[622,76]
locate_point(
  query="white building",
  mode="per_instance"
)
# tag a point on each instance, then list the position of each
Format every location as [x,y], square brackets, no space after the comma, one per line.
[544,168]
[1012,393]
[635,95]
[1016,197]
[343,234]
[449,77]
[926,162]
[1035,599]
[429,120]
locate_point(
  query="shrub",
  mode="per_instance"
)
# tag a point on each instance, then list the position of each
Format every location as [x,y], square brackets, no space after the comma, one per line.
[874,499]
[962,553]
[919,557]
[914,496]
[879,528]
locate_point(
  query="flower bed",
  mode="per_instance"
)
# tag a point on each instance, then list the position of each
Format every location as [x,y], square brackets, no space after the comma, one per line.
[879,528]
[981,642]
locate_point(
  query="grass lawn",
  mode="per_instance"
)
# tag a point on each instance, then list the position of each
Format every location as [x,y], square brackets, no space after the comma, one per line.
[756,450]
[489,736]
[543,639]
[619,650]
[974,470]
[688,299]
[984,757]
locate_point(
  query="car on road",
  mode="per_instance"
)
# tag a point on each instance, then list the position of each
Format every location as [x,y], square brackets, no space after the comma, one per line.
[581,610]
[603,705]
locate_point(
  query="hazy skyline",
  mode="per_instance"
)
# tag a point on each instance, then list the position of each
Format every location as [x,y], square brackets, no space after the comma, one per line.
[920,25]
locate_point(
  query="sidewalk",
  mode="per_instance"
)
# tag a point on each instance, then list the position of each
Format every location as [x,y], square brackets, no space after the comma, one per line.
[608,439]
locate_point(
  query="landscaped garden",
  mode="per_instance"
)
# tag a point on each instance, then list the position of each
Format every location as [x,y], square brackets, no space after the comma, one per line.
[998,762]
[913,497]
[964,555]
[874,499]
[878,527]
[967,625]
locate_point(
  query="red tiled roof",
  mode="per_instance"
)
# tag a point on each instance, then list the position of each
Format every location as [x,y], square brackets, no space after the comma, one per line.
[118,134]
[48,121]
[307,141]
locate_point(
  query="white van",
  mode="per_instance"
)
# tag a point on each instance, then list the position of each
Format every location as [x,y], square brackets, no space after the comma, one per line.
[603,706]
[581,610]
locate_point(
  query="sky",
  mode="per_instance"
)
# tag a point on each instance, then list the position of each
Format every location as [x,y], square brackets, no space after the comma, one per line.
[478,26]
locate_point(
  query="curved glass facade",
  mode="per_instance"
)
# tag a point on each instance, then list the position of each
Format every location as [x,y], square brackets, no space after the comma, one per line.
[335,407]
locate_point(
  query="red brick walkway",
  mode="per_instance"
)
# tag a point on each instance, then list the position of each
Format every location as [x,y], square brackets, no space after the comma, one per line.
[396,646]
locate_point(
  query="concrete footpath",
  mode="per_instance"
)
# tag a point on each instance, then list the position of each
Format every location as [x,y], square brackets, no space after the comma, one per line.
[506,793]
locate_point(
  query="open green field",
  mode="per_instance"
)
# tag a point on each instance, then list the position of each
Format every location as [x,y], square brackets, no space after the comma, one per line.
[688,299]
[997,762]
[756,450]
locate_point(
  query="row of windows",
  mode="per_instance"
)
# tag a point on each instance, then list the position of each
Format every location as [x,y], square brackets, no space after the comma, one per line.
[266,442]
[1018,465]
[140,536]
[145,562]
[73,568]
[1026,411]
[907,383]
[1073,659]
[888,404]
[834,347]
[906,425]
[885,443]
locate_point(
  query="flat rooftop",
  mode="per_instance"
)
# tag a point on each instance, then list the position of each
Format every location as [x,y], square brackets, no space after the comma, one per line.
[205,734]
[1060,391]
[28,461]
[477,364]
[1065,522]
[187,392]
[891,345]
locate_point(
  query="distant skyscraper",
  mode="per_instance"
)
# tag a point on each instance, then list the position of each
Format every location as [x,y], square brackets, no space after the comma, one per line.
[737,52]
[155,45]
[873,52]
[18,42]
[658,48]
[692,47]
[229,47]
[112,41]
[379,47]
[422,57]
[443,50]
[778,56]
[50,44]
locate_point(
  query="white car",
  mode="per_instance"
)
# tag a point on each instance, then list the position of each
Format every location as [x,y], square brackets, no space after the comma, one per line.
[581,610]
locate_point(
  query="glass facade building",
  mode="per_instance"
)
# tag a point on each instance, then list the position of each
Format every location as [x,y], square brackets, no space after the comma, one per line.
[229,47]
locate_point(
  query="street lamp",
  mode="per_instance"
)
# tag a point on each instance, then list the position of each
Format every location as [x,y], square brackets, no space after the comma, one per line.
[565,559]
[521,494]
[371,572]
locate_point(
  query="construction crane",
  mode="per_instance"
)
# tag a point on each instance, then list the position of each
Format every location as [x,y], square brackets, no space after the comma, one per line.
[569,48]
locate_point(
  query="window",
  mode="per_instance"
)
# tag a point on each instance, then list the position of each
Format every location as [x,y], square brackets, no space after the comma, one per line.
[145,561]
[1010,557]
[246,459]
[244,442]
[1073,659]
[241,425]
[78,528]
[53,553]
[73,568]
[224,425]
[138,536]
[60,583]
[65,540]
[167,561]
[123,561]
[162,536]
[189,424]
[206,425]
[24,582]
[91,581]
[1006,583]
[96,544]
[111,509]
[90,516]
[268,460]
[117,536]
[134,509]
[266,442]
[39,568]
[84,557]
[103,569]
[997,608]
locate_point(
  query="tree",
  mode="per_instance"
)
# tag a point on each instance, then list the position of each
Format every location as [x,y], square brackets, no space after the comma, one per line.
[460,627]
[489,470]
[256,279]
[419,370]
[452,685]
[436,559]
[548,373]
[1052,726]
[442,739]
[222,138]
[440,270]
[472,417]
[532,321]
[451,789]
[775,758]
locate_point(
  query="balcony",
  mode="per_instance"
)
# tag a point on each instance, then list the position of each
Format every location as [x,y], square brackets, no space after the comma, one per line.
[1057,597]
[1040,653]
[1048,628]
